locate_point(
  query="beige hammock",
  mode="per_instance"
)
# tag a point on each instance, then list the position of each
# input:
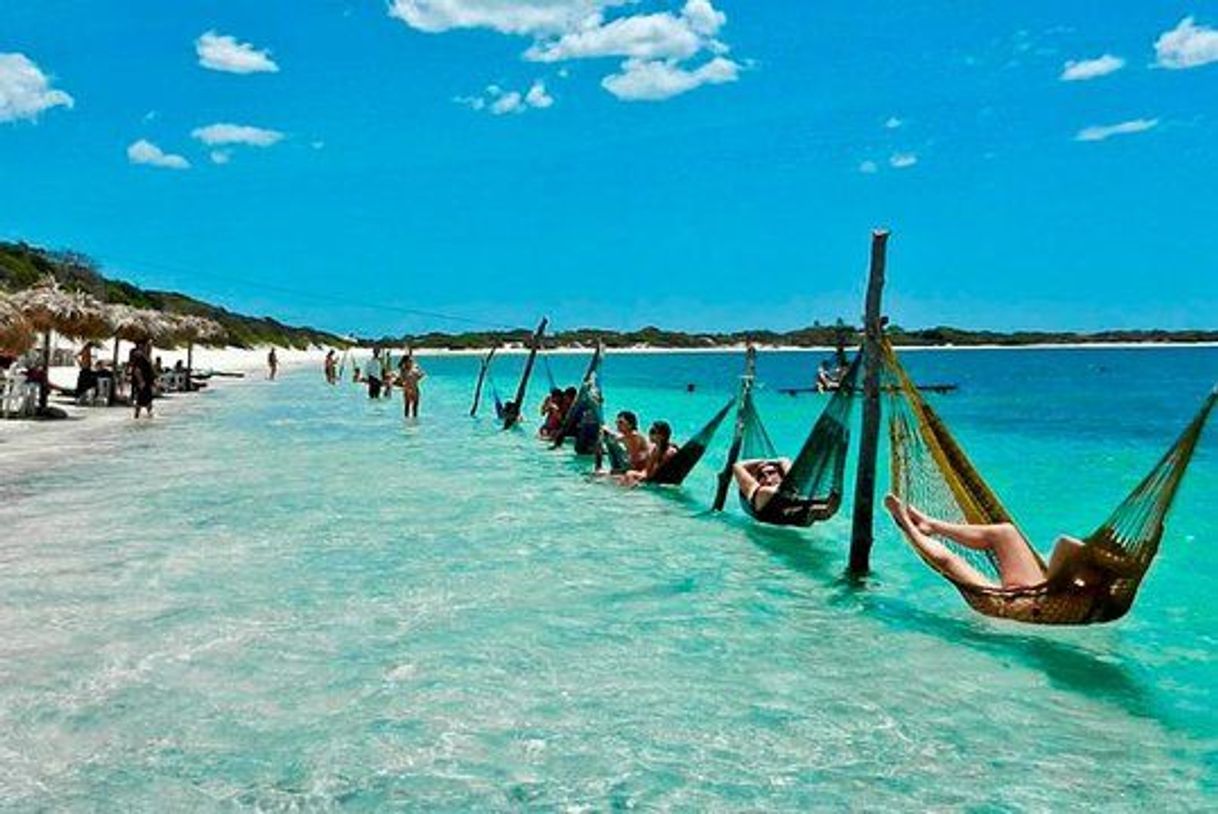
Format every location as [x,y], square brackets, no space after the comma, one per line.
[931,470]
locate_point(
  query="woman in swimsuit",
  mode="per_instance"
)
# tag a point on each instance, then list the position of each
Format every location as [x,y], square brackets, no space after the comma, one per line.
[662,450]
[1018,566]
[409,376]
[760,478]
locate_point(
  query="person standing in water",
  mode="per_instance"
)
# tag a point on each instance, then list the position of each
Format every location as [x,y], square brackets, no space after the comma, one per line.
[272,365]
[409,376]
[143,378]
[331,367]
[373,374]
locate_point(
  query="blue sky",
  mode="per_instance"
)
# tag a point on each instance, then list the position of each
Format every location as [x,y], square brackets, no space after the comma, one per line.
[698,164]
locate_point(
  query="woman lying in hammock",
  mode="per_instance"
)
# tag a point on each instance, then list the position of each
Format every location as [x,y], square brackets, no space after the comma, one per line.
[1018,565]
[760,478]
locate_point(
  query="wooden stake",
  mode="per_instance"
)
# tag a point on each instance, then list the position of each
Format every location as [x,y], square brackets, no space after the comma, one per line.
[861,536]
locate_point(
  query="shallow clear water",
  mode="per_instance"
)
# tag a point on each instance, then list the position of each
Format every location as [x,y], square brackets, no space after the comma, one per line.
[284,597]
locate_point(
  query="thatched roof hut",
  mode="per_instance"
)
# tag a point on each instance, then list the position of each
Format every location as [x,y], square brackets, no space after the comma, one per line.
[16,333]
[138,324]
[47,307]
[193,330]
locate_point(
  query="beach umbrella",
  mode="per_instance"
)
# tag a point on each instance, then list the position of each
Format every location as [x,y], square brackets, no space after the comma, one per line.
[193,329]
[47,307]
[16,333]
[137,324]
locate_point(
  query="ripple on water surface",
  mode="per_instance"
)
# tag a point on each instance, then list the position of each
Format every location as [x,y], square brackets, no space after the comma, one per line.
[285,597]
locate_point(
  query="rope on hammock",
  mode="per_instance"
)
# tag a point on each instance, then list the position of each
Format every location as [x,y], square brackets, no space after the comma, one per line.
[930,469]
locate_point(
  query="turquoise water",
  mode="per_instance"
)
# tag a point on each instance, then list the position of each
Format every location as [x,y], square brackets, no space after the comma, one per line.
[283,597]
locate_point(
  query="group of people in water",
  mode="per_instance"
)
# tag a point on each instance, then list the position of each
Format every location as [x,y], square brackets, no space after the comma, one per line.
[380,376]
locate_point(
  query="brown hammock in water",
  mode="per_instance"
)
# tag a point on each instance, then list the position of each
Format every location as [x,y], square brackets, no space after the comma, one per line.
[931,470]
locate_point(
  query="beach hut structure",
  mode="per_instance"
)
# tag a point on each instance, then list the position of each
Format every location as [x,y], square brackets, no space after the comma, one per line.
[137,324]
[47,307]
[192,329]
[16,333]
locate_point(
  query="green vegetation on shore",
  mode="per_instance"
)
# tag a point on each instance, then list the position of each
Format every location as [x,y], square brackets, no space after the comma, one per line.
[22,266]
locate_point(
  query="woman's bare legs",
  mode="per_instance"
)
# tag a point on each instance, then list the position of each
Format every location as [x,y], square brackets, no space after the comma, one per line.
[951,564]
[1017,563]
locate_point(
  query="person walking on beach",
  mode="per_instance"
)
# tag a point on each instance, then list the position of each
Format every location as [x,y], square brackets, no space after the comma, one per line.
[272,364]
[143,377]
[409,376]
[331,367]
[374,373]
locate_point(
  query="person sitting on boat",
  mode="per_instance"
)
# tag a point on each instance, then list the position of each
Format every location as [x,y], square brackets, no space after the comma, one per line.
[1018,566]
[662,450]
[759,479]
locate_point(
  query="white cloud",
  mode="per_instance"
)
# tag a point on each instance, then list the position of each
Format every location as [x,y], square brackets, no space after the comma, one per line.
[220,52]
[1101,132]
[869,167]
[657,46]
[318,144]
[221,156]
[533,17]
[641,36]
[145,152]
[511,102]
[498,101]
[893,123]
[902,160]
[25,91]
[538,96]
[657,80]
[1083,69]
[218,134]
[1188,45]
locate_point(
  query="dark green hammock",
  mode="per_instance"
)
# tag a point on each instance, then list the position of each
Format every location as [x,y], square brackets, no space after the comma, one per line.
[586,411]
[510,413]
[812,489]
[673,471]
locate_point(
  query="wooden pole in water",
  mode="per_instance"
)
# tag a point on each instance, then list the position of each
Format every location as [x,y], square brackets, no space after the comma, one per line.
[861,536]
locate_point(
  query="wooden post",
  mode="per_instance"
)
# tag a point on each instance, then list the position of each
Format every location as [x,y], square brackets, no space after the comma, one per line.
[864,487]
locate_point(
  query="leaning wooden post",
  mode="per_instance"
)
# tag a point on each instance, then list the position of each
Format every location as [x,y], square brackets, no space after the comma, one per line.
[864,486]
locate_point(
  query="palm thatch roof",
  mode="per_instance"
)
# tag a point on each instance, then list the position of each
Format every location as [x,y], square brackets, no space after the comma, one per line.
[16,333]
[198,330]
[138,324]
[47,307]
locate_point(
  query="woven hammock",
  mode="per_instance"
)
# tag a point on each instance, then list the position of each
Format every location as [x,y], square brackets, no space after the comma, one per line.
[930,470]
[673,471]
[584,417]
[812,489]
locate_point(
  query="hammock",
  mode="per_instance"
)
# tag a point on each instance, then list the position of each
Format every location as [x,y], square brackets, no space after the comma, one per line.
[585,410]
[673,471]
[931,470]
[482,371]
[812,489]
[511,415]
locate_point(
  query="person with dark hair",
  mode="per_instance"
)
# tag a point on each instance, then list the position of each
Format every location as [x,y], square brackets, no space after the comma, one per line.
[143,377]
[661,451]
[410,374]
[637,446]
[759,479]
[552,413]
[272,364]
[374,373]
[86,379]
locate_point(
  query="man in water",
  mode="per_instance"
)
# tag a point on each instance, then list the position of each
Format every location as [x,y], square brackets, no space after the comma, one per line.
[759,479]
[272,364]
[373,374]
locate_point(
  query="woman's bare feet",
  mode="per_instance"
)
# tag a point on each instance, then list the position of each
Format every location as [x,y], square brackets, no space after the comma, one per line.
[923,522]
